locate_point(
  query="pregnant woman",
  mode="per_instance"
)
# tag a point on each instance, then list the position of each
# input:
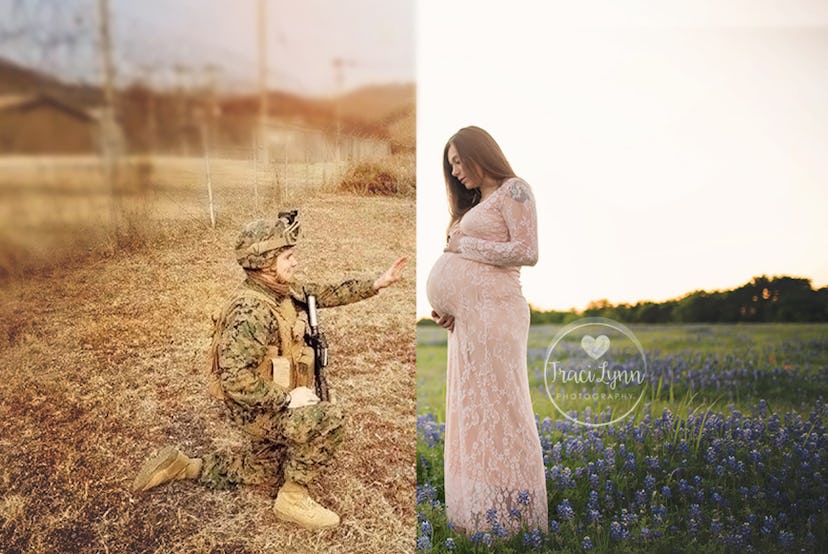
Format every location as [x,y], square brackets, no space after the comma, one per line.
[494,474]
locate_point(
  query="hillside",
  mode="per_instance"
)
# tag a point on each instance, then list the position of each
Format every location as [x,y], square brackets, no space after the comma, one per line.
[375,110]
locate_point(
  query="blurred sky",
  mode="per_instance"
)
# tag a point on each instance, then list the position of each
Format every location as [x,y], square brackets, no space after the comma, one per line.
[151,37]
[671,146]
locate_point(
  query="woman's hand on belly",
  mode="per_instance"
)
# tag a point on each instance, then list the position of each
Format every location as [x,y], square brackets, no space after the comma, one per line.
[446,320]
[454,242]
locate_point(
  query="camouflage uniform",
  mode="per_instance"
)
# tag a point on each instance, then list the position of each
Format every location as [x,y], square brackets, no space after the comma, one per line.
[285,444]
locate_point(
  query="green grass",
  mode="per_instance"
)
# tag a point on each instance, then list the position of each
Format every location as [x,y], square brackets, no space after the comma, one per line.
[766,345]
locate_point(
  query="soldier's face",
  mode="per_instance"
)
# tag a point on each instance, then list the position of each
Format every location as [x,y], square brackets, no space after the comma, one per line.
[286,263]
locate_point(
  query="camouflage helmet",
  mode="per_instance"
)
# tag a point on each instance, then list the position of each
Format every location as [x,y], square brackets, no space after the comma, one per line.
[261,241]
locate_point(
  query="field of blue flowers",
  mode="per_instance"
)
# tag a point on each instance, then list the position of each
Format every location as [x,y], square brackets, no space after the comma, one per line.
[727,451]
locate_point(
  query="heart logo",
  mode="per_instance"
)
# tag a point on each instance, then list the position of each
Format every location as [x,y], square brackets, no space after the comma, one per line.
[595,347]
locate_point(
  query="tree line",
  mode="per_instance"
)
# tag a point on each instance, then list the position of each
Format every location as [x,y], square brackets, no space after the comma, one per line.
[762,299]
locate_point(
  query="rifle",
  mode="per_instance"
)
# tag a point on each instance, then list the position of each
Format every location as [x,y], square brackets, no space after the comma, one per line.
[316,340]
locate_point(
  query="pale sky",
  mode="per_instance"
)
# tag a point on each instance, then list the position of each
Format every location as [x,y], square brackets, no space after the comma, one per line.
[150,38]
[375,37]
[670,146]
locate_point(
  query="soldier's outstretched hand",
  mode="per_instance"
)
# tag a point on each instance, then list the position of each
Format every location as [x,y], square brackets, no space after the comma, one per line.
[391,275]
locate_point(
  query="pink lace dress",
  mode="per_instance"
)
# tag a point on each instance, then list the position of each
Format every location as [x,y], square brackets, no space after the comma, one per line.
[493,463]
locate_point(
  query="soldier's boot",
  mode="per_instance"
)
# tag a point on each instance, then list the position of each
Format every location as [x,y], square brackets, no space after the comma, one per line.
[293,504]
[170,464]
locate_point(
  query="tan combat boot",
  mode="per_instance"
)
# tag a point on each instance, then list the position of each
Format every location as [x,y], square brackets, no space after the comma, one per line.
[168,465]
[293,504]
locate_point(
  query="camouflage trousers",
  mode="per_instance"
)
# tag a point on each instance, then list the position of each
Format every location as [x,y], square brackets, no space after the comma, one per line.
[291,445]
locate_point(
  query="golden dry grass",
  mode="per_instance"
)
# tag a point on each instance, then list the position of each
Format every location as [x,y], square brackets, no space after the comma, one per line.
[104,362]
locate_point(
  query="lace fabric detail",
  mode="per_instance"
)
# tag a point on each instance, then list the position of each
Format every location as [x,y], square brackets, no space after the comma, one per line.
[494,473]
[515,204]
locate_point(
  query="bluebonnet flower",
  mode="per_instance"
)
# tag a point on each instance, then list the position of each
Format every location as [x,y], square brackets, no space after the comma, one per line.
[556,452]
[629,463]
[429,429]
[786,539]
[716,526]
[638,435]
[617,532]
[659,512]
[652,462]
[640,497]
[593,516]
[546,425]
[586,544]
[425,463]
[645,533]
[695,511]
[487,539]
[608,501]
[768,525]
[593,480]
[523,498]
[666,492]
[491,516]
[424,543]
[425,493]
[533,539]
[710,457]
[425,527]
[477,537]
[692,526]
[450,543]
[565,510]
[554,526]
[593,499]
[514,513]
[649,482]
[717,499]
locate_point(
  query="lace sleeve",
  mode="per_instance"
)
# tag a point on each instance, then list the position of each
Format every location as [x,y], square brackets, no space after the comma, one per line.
[518,210]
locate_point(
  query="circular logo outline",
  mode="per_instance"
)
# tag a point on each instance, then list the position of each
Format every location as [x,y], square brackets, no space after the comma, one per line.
[577,324]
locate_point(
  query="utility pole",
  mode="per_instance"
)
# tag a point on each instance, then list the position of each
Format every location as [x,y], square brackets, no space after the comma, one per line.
[339,64]
[183,116]
[109,145]
[264,144]
[206,124]
[213,111]
[152,123]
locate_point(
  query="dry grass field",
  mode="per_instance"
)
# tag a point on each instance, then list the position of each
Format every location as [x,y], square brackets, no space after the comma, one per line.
[103,359]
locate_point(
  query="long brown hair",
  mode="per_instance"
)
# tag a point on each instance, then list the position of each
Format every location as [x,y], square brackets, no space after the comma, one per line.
[479,154]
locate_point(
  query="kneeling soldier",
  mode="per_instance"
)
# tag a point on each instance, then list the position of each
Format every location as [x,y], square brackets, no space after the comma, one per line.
[264,373]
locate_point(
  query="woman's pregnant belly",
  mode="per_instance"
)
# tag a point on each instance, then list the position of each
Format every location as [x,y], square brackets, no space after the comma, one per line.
[448,281]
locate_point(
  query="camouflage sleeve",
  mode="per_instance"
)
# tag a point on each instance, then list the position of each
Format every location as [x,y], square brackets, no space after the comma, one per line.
[242,347]
[346,292]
